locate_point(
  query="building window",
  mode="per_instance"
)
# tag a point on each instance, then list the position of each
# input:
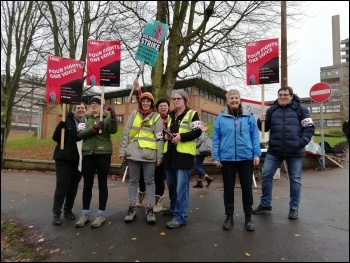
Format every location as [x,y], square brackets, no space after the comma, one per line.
[188,90]
[208,117]
[200,93]
[333,99]
[333,108]
[119,101]
[120,119]
[333,123]
[315,110]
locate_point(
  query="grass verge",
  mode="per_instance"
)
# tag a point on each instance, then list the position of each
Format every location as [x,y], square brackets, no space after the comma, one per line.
[19,244]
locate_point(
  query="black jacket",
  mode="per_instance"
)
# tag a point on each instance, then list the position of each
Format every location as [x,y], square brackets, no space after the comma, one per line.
[70,150]
[288,134]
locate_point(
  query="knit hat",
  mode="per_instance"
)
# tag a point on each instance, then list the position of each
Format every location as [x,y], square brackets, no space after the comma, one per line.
[147,95]
[162,101]
[96,99]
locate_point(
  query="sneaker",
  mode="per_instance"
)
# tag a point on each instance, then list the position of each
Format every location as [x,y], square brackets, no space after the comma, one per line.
[130,214]
[69,215]
[168,211]
[82,220]
[293,214]
[209,179]
[198,185]
[99,220]
[140,198]
[157,207]
[173,224]
[57,220]
[261,209]
[151,219]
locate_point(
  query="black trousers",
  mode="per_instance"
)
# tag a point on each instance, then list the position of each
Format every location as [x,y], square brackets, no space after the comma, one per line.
[91,164]
[245,171]
[67,181]
[159,175]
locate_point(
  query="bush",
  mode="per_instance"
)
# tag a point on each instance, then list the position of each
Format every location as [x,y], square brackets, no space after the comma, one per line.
[335,133]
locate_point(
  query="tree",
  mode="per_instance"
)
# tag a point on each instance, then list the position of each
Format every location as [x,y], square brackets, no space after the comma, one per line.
[20,26]
[206,38]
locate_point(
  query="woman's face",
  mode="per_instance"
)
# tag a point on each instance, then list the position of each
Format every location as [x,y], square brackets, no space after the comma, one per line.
[79,111]
[95,108]
[163,109]
[233,101]
[146,104]
[178,100]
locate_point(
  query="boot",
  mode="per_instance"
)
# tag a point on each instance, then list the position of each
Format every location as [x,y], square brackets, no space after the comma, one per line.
[151,218]
[198,185]
[228,224]
[157,207]
[57,220]
[140,198]
[248,223]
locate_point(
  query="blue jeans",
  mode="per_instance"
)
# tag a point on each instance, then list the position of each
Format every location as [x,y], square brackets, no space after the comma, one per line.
[198,165]
[294,167]
[178,181]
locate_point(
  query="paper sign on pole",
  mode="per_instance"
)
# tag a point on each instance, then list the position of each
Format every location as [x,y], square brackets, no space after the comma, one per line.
[151,41]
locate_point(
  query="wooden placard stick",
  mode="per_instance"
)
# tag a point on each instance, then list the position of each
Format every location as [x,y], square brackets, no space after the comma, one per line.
[102,105]
[142,65]
[262,110]
[63,129]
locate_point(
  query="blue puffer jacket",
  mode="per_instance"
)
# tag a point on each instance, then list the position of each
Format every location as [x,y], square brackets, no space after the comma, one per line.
[235,139]
[288,134]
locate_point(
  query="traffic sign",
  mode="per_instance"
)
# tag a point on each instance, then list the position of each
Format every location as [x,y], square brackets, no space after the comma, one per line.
[320,92]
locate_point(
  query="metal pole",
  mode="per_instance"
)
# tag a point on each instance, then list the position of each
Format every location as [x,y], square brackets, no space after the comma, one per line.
[322,136]
[40,120]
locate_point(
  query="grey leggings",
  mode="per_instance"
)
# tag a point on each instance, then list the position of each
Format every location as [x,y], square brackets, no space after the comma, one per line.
[134,172]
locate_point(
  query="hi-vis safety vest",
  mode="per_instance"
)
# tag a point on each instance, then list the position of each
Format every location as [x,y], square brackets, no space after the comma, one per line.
[185,126]
[143,131]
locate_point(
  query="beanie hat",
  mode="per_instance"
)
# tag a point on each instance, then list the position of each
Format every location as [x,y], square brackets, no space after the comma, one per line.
[147,95]
[162,101]
[96,99]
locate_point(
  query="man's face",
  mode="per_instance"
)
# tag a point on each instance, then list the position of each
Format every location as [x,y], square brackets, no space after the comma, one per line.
[284,97]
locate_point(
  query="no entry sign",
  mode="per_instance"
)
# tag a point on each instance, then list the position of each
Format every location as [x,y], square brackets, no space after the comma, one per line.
[320,92]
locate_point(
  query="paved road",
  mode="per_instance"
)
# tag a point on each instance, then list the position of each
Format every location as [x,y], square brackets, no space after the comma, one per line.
[321,234]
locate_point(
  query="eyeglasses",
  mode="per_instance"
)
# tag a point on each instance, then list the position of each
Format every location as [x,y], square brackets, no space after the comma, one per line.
[177,98]
[283,95]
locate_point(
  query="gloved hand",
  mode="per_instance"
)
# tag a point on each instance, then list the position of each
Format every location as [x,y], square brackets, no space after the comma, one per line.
[98,126]
[111,109]
[61,125]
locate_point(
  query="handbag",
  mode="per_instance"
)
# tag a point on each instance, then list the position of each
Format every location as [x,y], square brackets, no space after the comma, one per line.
[206,146]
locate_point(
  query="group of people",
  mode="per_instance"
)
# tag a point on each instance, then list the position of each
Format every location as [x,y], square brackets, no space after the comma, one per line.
[159,144]
[87,149]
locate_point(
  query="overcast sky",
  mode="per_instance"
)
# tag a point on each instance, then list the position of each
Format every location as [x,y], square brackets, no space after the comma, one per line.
[313,48]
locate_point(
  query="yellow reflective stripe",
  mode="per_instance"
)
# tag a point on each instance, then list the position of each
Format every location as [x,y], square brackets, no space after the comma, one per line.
[147,139]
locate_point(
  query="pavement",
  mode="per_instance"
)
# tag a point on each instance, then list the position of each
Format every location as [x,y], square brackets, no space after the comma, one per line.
[321,234]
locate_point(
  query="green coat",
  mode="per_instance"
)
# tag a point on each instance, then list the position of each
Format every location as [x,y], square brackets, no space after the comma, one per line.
[98,143]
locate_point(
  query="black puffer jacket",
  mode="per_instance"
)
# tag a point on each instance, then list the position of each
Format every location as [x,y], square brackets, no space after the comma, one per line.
[70,151]
[288,136]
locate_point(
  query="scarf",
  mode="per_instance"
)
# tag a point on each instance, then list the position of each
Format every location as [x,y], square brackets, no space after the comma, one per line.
[145,113]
